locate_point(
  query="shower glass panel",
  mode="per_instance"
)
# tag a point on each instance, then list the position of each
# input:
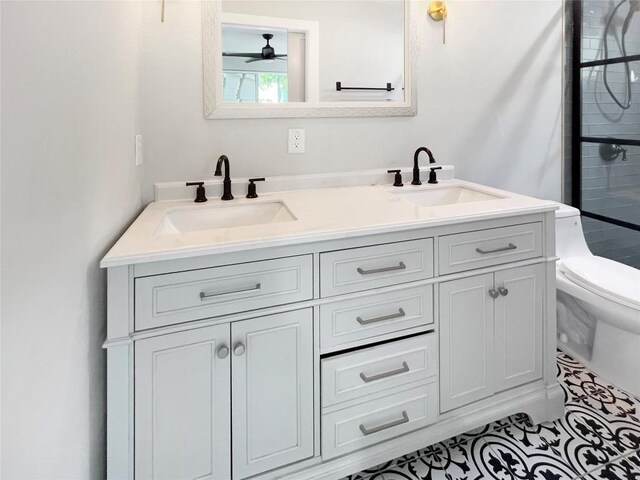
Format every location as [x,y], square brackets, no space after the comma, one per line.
[602,117]
[606,125]
[611,190]
[611,241]
[601,15]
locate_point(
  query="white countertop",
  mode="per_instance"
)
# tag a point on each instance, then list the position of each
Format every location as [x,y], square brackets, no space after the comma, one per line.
[322,214]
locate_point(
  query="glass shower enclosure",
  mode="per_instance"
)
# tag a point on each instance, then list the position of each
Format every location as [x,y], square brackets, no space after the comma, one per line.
[604,79]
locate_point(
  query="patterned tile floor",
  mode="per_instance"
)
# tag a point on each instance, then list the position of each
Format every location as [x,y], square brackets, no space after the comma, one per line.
[598,438]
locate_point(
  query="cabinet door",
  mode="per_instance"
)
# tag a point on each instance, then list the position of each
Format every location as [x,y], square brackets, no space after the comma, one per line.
[466,341]
[518,326]
[272,372]
[182,408]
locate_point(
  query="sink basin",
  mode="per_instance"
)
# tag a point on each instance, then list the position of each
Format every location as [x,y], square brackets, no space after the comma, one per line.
[445,196]
[196,218]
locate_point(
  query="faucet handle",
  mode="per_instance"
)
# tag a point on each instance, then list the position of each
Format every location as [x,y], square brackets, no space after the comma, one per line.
[432,174]
[397,181]
[251,190]
[200,192]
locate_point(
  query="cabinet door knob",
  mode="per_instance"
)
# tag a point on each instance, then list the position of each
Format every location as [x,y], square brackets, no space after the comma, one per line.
[503,291]
[238,349]
[493,293]
[223,352]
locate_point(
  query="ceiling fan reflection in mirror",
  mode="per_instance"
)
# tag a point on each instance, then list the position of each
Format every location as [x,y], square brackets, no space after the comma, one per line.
[268,53]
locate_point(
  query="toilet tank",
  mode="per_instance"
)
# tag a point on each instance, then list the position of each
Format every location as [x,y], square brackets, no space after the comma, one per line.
[570,240]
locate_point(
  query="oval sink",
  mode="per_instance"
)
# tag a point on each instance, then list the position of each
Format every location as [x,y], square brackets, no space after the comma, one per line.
[445,196]
[197,218]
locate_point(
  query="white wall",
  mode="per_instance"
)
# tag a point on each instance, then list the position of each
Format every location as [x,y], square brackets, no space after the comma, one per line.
[489,101]
[70,110]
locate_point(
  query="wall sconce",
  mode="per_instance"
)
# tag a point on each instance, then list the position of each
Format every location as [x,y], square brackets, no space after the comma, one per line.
[437,10]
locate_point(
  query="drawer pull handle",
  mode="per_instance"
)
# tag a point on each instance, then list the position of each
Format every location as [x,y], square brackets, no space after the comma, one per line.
[503,291]
[403,369]
[204,296]
[493,293]
[400,266]
[511,246]
[382,318]
[370,431]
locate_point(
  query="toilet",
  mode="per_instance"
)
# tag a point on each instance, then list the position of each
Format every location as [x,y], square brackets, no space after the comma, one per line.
[598,306]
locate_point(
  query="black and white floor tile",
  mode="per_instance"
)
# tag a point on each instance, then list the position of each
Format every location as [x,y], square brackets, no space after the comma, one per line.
[598,438]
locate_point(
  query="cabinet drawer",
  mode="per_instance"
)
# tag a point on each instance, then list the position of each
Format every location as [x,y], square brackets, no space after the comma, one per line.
[185,296]
[357,269]
[362,319]
[372,422]
[483,248]
[354,375]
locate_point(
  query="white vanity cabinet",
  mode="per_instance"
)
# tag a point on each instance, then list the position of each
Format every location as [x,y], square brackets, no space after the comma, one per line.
[183,405]
[377,393]
[466,340]
[189,420]
[317,359]
[490,334]
[518,325]
[364,268]
[211,292]
[272,399]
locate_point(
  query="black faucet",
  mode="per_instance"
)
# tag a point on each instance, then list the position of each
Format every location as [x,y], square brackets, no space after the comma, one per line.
[226,183]
[200,193]
[432,175]
[251,190]
[397,179]
[416,169]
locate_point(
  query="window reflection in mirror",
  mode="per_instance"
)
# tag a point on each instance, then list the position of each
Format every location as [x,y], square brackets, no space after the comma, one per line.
[261,87]
[285,51]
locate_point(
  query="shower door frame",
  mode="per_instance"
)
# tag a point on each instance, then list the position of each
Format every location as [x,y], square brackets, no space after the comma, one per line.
[577,139]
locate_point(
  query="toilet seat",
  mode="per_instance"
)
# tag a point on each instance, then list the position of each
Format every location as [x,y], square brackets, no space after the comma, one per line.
[606,278]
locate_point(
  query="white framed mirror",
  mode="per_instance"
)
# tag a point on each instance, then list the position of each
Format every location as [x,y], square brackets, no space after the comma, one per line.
[311,58]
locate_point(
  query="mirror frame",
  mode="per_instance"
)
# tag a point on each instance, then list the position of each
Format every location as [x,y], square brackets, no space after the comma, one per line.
[214,108]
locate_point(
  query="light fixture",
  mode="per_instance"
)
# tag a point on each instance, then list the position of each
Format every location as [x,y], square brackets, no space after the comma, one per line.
[437,10]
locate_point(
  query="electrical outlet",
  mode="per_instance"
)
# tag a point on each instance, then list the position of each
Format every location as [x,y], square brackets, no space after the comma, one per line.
[296,140]
[139,154]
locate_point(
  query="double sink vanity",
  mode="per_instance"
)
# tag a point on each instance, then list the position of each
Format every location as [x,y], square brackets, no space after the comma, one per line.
[311,333]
